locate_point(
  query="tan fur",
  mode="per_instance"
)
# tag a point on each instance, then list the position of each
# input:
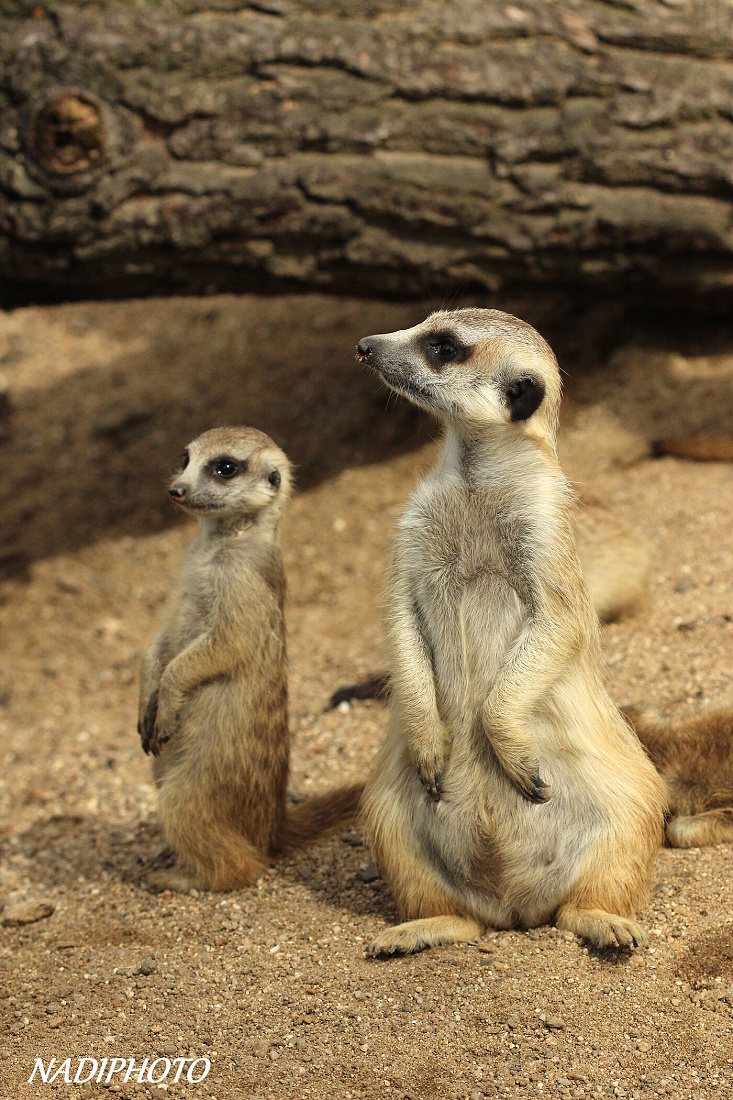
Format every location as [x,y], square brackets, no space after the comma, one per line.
[213,691]
[695,759]
[614,562]
[698,448]
[615,565]
[509,791]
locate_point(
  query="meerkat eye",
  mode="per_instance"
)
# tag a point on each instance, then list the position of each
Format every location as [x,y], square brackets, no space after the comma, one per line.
[227,468]
[444,348]
[274,479]
[184,461]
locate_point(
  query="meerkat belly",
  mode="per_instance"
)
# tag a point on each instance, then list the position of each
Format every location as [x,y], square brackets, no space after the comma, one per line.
[517,860]
[514,860]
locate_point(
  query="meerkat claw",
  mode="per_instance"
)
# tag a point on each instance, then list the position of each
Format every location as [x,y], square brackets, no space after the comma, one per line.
[149,739]
[157,741]
[433,784]
[535,791]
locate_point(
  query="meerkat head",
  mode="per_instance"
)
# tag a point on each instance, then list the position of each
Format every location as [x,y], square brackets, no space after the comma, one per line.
[232,473]
[472,367]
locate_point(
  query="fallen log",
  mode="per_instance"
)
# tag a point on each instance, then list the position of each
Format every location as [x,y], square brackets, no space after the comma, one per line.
[382,147]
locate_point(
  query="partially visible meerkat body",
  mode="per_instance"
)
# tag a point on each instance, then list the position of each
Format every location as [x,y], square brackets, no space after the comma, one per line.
[509,791]
[699,448]
[214,691]
[695,759]
[615,563]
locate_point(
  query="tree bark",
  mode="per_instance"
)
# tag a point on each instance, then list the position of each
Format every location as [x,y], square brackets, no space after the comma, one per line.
[369,146]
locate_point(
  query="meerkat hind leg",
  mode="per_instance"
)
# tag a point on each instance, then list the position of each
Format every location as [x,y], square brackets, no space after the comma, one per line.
[698,830]
[416,935]
[600,928]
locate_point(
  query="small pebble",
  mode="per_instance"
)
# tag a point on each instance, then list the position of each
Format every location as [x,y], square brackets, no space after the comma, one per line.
[25,912]
[147,966]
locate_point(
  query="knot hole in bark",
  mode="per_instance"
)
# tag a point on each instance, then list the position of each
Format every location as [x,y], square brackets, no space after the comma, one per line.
[66,133]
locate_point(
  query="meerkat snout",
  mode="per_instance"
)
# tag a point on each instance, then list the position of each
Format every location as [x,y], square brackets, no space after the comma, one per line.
[363,350]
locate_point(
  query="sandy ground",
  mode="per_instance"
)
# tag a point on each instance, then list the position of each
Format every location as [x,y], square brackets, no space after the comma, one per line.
[270,982]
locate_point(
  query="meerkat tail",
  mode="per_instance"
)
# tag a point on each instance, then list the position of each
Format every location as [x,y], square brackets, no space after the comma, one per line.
[698,448]
[377,685]
[695,759]
[319,815]
[416,935]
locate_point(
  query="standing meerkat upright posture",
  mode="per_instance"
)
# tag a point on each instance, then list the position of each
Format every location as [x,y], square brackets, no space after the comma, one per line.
[214,687]
[509,791]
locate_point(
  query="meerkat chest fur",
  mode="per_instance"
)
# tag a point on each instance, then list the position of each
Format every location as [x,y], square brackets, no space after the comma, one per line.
[472,543]
[222,576]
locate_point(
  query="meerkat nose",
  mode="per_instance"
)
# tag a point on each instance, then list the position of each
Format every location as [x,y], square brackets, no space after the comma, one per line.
[177,492]
[363,349]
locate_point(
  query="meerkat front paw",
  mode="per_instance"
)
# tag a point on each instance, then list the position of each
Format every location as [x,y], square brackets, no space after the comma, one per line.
[515,753]
[431,779]
[166,722]
[146,724]
[531,787]
[430,773]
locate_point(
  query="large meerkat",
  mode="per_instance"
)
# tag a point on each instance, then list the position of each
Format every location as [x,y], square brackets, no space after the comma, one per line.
[695,759]
[509,791]
[214,687]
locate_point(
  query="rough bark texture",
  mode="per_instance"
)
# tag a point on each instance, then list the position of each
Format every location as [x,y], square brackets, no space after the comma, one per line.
[379,146]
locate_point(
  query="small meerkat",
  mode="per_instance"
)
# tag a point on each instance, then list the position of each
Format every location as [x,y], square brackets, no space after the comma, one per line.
[214,688]
[695,759]
[509,791]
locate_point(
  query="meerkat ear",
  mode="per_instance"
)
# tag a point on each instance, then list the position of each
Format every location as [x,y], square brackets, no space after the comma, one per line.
[274,479]
[524,396]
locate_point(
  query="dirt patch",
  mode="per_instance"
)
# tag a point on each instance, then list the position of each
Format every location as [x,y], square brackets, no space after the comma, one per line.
[270,982]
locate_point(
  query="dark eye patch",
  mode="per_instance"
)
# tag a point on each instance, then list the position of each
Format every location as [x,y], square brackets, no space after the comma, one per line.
[226,468]
[184,461]
[524,396]
[444,347]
